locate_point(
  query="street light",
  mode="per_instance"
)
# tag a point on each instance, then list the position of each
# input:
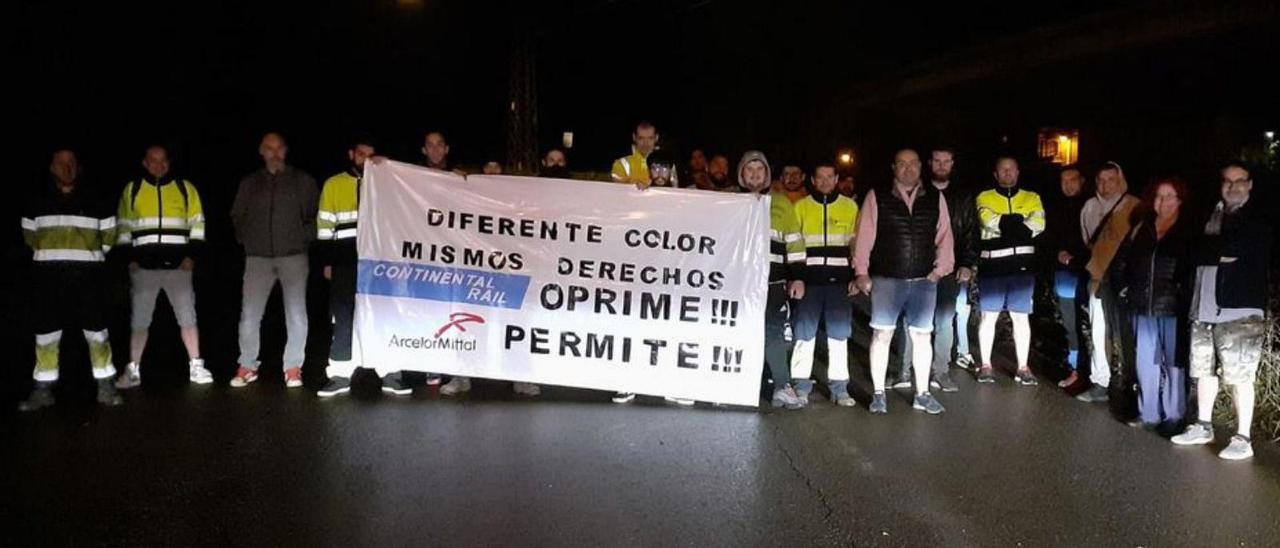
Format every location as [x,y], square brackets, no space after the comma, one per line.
[1271,135]
[846,157]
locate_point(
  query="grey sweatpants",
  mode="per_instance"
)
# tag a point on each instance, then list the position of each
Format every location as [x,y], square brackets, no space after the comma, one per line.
[260,276]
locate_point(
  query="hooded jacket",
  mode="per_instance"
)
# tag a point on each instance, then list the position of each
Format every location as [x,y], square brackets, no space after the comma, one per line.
[786,244]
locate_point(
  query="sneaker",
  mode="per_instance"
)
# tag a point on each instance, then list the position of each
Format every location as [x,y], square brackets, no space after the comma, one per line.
[336,386]
[623,397]
[840,395]
[879,405]
[41,397]
[1198,433]
[393,384]
[1070,380]
[434,379]
[1095,394]
[904,381]
[107,394]
[1240,449]
[986,375]
[683,402]
[455,386]
[927,403]
[526,389]
[199,374]
[293,377]
[243,377]
[964,361]
[131,378]
[1025,377]
[788,398]
[944,383]
[803,389]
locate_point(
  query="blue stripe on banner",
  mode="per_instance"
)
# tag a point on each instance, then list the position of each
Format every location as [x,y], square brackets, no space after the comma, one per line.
[437,283]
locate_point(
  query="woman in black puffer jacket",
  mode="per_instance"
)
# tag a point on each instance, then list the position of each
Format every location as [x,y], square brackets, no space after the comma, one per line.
[1153,271]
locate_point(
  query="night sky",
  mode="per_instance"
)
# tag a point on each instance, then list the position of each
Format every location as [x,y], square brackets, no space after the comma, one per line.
[792,78]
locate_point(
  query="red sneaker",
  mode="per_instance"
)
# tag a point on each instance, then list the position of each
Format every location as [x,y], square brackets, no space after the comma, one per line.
[243,377]
[293,377]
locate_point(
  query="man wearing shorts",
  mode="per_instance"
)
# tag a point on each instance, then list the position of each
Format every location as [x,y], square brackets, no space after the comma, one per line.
[1227,327]
[903,247]
[1011,218]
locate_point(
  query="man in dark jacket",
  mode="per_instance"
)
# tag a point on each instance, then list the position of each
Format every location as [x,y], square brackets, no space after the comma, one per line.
[1067,255]
[964,232]
[274,215]
[1227,310]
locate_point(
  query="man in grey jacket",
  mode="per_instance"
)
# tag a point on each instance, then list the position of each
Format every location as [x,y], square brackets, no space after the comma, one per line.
[274,215]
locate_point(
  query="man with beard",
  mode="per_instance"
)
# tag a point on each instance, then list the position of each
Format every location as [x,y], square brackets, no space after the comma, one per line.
[718,176]
[792,183]
[336,225]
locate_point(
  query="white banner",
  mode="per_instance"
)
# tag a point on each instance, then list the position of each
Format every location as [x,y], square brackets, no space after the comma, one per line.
[574,283]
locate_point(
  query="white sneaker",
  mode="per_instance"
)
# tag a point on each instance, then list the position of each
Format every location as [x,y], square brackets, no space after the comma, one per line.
[131,378]
[455,386]
[1196,434]
[684,402]
[1240,449]
[199,374]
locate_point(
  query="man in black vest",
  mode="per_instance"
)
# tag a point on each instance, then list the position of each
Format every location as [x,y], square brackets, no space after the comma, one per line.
[904,246]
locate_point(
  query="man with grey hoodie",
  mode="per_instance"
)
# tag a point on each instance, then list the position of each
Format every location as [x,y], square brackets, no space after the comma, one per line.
[274,216]
[786,275]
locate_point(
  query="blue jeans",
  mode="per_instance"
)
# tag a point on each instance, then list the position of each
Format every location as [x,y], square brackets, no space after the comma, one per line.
[1067,285]
[962,320]
[1162,383]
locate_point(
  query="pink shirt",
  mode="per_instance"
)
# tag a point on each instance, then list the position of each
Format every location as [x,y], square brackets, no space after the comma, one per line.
[945,259]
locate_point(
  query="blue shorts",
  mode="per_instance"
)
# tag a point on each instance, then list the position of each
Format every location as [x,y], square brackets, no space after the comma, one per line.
[1012,293]
[916,299]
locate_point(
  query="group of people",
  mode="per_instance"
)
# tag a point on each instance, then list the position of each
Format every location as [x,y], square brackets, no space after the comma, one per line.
[914,255]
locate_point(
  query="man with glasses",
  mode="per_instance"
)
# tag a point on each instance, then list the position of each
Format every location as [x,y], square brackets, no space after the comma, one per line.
[1227,327]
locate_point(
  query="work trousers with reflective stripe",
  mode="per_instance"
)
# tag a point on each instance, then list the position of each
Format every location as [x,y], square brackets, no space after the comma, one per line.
[70,295]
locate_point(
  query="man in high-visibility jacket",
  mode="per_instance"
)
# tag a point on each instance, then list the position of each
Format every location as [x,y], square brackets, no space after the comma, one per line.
[161,218]
[69,232]
[786,275]
[336,226]
[828,223]
[1011,218]
[634,168]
